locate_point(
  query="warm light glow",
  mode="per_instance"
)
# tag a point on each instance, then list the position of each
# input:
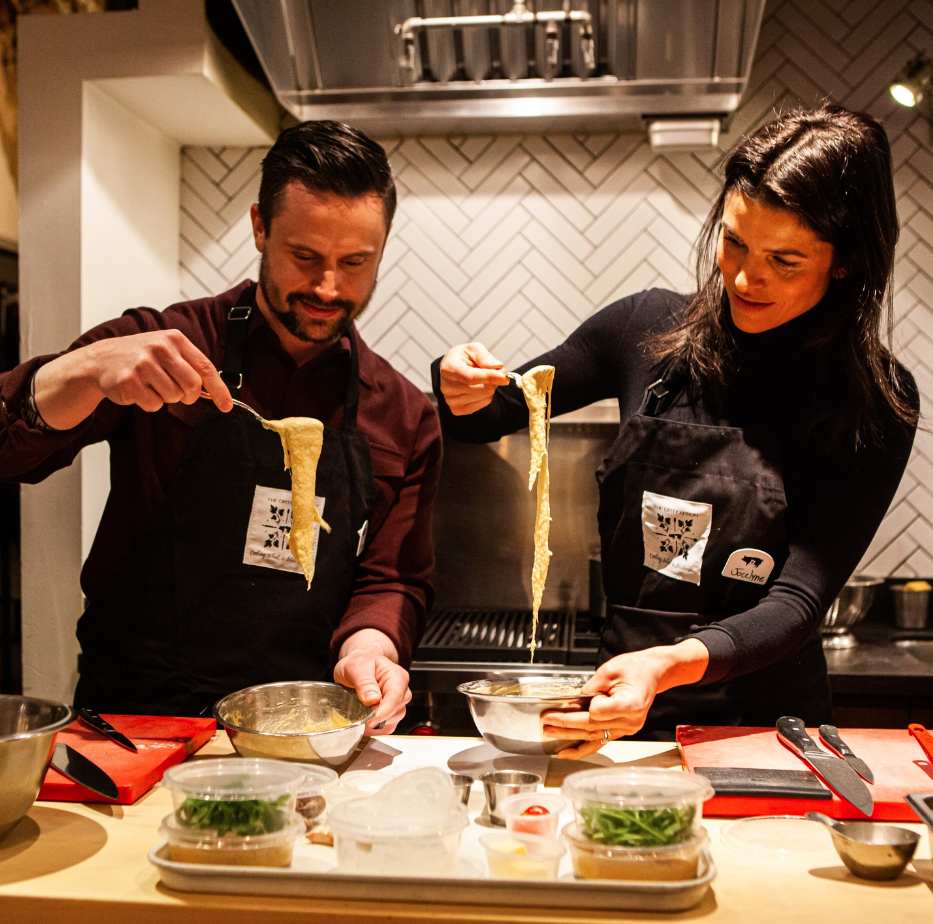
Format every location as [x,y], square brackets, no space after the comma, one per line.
[905,95]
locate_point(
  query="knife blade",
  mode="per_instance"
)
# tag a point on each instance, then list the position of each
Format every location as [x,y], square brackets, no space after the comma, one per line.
[924,738]
[832,770]
[73,764]
[100,724]
[830,736]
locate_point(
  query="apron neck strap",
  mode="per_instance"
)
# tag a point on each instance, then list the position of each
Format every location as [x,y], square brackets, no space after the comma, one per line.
[663,391]
[352,402]
[237,327]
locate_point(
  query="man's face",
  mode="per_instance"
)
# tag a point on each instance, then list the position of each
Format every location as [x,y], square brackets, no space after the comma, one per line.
[318,268]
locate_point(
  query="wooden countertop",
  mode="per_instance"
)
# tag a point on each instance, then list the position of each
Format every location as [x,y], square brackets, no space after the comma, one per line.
[87,864]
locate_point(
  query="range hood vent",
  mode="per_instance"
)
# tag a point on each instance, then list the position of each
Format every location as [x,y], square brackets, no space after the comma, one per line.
[467,66]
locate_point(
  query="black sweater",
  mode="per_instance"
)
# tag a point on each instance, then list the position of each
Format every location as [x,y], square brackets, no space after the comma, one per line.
[835,502]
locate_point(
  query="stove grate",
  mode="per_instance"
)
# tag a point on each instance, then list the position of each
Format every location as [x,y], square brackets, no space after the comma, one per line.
[495,635]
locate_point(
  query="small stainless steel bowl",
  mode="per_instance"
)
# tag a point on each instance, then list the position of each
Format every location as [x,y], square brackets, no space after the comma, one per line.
[848,610]
[512,720]
[868,849]
[27,736]
[267,721]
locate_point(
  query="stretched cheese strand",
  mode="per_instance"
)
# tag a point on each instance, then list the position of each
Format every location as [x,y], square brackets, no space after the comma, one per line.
[537,384]
[302,440]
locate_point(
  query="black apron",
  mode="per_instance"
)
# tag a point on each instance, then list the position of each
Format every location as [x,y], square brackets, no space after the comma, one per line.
[184,621]
[738,473]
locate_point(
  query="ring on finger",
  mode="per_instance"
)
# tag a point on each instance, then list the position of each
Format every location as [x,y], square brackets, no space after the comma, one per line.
[607,735]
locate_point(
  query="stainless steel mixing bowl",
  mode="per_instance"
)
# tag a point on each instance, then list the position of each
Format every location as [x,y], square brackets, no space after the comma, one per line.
[507,712]
[27,735]
[847,610]
[270,720]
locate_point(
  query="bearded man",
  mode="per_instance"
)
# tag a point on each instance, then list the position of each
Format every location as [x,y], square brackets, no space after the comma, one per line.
[191,590]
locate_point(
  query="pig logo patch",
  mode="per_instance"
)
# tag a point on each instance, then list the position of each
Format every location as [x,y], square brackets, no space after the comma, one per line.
[751,565]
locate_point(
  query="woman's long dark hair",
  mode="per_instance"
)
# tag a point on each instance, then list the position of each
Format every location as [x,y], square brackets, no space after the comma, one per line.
[832,169]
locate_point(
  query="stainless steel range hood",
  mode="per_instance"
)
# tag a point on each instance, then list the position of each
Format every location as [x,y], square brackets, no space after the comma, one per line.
[467,66]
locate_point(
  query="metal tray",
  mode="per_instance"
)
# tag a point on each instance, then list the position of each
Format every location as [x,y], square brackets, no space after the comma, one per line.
[308,878]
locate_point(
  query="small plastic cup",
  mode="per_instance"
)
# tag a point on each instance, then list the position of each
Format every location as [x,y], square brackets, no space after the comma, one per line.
[188,845]
[259,795]
[500,784]
[312,796]
[672,863]
[522,856]
[544,823]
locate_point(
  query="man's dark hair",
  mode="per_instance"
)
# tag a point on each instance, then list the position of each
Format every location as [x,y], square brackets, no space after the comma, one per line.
[326,157]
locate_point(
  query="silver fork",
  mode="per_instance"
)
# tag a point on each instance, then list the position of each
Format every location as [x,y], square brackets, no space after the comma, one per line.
[241,404]
[515,377]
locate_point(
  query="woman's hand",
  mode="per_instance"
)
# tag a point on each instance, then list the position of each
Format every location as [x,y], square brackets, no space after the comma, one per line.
[623,690]
[470,375]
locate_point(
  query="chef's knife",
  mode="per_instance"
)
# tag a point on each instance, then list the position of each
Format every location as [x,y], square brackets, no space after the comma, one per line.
[99,724]
[830,736]
[924,738]
[832,770]
[69,762]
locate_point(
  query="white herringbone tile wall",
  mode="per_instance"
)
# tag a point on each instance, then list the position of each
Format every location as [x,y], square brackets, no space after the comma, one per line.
[513,240]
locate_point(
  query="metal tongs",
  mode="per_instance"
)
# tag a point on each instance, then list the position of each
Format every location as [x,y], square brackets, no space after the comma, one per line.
[241,404]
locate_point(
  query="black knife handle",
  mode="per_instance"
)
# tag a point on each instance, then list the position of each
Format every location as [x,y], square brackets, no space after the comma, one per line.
[830,734]
[94,719]
[794,734]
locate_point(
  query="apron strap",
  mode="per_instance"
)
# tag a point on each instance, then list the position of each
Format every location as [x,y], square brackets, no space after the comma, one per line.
[352,402]
[663,391]
[237,328]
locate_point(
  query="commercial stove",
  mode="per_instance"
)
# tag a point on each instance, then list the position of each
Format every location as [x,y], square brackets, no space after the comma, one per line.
[475,644]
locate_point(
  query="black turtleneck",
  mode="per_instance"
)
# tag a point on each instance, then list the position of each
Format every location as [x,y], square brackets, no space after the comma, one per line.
[835,502]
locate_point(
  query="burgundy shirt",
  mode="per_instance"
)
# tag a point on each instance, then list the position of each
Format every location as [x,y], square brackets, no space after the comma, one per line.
[392,591]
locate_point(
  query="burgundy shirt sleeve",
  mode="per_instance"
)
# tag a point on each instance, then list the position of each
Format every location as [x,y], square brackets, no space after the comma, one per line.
[393,590]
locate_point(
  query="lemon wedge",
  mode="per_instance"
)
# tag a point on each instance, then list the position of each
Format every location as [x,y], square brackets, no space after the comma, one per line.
[517,848]
[917,585]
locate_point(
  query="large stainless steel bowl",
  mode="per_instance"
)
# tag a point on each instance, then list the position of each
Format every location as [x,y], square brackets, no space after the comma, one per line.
[27,735]
[270,720]
[507,712]
[847,610]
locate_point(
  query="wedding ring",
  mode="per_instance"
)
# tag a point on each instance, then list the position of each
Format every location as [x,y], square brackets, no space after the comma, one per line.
[607,734]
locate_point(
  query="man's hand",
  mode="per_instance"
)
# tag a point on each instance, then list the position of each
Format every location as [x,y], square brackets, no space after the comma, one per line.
[470,375]
[148,370]
[369,664]
[623,690]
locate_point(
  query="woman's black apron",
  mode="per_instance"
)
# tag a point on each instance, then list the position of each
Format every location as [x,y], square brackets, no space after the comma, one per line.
[184,620]
[692,520]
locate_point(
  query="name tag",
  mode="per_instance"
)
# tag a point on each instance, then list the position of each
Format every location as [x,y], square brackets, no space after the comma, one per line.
[751,565]
[270,522]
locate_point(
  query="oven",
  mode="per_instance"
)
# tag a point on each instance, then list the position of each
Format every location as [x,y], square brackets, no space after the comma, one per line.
[484,521]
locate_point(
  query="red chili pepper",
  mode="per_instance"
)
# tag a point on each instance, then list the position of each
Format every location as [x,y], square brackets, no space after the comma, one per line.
[536,810]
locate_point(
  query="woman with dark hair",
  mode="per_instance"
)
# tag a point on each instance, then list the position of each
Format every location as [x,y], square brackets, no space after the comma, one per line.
[765,426]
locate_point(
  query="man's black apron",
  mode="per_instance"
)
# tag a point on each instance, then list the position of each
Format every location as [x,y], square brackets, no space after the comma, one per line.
[184,621]
[659,463]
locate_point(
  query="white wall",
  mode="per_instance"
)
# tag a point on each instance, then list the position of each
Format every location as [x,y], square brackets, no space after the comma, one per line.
[130,177]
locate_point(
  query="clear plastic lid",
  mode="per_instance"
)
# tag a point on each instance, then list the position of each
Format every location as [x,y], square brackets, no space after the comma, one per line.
[572,834]
[637,787]
[777,836]
[316,780]
[177,833]
[232,779]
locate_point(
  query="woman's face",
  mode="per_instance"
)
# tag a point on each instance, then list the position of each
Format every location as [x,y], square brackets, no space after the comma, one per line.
[773,266]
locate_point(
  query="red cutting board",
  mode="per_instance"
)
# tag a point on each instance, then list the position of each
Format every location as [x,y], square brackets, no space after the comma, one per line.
[162,741]
[897,761]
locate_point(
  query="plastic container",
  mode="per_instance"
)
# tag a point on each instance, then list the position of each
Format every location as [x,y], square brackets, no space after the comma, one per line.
[234,796]
[522,856]
[637,807]
[410,827]
[367,781]
[674,863]
[187,845]
[313,793]
[544,824]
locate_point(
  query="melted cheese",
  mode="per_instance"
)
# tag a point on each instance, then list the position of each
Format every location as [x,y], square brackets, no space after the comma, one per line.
[302,440]
[537,384]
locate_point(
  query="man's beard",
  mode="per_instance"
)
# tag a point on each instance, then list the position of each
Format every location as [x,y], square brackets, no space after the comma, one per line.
[311,330]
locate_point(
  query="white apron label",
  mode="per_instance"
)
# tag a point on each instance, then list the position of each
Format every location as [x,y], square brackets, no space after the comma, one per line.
[270,522]
[750,565]
[675,533]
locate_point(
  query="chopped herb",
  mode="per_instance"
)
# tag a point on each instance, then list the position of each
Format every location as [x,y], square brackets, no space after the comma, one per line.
[621,827]
[245,817]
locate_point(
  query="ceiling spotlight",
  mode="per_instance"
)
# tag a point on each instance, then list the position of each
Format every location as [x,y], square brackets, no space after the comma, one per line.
[907,88]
